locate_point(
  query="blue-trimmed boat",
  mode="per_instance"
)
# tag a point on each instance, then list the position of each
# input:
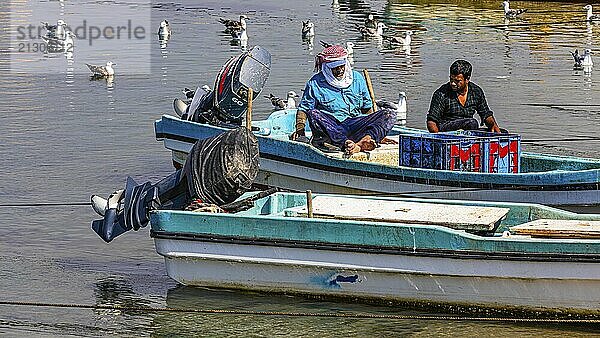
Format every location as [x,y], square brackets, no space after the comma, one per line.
[545,179]
[484,254]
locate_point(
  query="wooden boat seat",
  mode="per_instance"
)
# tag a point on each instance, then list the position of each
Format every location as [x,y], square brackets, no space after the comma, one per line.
[558,228]
[387,154]
[460,217]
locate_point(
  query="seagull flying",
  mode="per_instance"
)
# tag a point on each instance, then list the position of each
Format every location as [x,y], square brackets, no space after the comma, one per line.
[283,104]
[590,17]
[164,31]
[102,71]
[511,13]
[308,29]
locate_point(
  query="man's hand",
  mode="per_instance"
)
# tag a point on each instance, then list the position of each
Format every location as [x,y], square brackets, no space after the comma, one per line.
[299,136]
[386,140]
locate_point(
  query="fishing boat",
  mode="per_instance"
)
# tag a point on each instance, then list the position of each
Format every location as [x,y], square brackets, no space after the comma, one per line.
[447,252]
[543,178]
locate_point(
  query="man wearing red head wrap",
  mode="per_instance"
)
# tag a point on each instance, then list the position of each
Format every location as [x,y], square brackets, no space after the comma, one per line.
[338,107]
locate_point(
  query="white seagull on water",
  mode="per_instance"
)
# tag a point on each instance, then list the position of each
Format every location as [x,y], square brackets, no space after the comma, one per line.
[164,31]
[102,71]
[57,31]
[366,31]
[590,16]
[511,13]
[406,40]
[232,25]
[308,29]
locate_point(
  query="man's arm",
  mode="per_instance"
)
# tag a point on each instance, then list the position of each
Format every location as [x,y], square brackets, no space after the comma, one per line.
[436,109]
[432,126]
[486,114]
[366,110]
[490,122]
[299,126]
[308,102]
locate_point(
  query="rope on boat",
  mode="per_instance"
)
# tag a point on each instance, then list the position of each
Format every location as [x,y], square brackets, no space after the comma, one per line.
[30,205]
[303,314]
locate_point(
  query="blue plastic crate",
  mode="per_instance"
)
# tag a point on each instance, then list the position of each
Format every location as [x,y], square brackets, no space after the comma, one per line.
[442,151]
[501,152]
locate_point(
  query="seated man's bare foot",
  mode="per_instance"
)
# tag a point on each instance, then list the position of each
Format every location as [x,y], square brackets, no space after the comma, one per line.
[351,147]
[386,140]
[367,143]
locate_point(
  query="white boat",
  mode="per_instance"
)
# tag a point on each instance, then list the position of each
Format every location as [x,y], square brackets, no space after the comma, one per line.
[451,253]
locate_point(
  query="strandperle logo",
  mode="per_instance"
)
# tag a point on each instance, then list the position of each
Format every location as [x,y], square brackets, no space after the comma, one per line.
[53,37]
[86,32]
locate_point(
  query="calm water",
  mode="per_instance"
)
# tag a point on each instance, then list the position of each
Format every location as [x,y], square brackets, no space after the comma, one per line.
[65,137]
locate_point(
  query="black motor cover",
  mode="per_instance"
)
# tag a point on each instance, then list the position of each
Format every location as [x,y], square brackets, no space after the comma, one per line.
[228,101]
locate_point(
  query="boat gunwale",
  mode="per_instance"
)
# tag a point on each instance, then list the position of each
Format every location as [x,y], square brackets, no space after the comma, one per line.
[570,180]
[382,249]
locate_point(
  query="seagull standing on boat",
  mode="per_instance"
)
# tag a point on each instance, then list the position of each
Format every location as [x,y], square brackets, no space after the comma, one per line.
[102,71]
[232,25]
[308,29]
[590,17]
[511,13]
[164,31]
[279,103]
[399,107]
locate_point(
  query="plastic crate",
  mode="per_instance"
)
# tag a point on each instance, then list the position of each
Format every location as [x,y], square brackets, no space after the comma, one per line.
[502,152]
[441,151]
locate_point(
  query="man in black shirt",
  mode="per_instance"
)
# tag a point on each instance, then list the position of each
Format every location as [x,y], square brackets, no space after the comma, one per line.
[454,103]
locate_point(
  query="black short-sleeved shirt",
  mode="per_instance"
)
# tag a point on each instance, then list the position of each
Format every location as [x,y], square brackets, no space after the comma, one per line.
[445,106]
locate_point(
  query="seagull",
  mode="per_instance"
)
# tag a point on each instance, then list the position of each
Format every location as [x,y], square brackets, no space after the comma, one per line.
[582,61]
[590,17]
[164,31]
[406,40]
[308,29]
[240,35]
[587,58]
[366,32]
[232,25]
[399,108]
[350,48]
[370,22]
[55,31]
[281,104]
[102,71]
[512,13]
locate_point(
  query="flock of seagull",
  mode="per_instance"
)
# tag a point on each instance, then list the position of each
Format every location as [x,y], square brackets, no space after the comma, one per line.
[60,36]
[62,39]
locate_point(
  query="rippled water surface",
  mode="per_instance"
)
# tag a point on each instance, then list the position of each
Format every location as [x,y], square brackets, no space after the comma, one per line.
[65,137]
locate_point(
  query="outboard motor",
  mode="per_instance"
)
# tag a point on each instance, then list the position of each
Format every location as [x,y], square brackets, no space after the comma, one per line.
[218,170]
[228,101]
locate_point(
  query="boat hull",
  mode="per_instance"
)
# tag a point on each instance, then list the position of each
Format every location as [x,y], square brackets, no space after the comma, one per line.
[296,166]
[497,283]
